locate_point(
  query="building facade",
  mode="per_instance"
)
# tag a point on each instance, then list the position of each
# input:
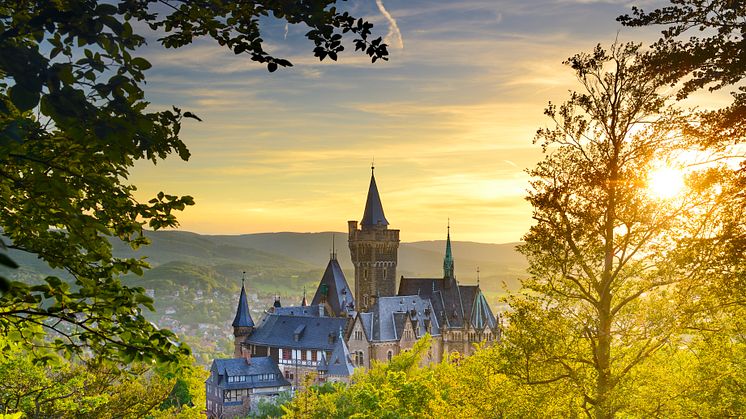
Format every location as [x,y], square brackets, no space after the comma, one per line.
[236,386]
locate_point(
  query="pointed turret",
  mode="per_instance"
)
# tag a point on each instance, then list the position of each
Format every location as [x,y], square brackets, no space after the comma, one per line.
[333,289]
[340,363]
[373,215]
[448,259]
[243,316]
[242,324]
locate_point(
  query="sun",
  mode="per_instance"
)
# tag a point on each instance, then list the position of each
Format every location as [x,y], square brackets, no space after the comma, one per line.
[665,182]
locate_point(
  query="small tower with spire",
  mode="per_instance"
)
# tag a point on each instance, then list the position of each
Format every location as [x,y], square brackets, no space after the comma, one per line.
[243,325]
[448,259]
[374,251]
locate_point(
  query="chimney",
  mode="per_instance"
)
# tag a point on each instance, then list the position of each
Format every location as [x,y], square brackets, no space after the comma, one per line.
[246,354]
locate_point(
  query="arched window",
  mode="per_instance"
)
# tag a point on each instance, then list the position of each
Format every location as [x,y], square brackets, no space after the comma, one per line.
[389,354]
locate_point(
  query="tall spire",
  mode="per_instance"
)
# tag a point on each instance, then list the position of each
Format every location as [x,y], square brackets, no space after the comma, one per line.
[373,215]
[243,316]
[448,259]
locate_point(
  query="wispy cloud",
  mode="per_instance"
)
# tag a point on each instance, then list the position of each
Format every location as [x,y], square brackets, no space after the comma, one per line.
[394,32]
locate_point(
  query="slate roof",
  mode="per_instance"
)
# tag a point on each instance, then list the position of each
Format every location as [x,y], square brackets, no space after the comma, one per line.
[454,305]
[222,368]
[309,311]
[334,287]
[475,304]
[445,295]
[340,363]
[373,214]
[243,317]
[385,320]
[279,331]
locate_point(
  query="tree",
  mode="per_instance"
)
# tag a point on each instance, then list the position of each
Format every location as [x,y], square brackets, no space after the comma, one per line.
[605,290]
[703,45]
[397,389]
[64,389]
[272,408]
[713,56]
[73,120]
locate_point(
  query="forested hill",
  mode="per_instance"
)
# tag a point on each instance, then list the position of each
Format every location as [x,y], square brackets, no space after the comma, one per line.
[310,252]
[279,260]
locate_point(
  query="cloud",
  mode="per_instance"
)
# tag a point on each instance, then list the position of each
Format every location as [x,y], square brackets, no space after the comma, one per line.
[394,33]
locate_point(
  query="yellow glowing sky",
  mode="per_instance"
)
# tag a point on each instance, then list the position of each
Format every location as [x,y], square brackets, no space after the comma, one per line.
[449,120]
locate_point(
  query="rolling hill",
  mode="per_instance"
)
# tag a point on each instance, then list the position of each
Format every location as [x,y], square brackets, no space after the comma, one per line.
[274,261]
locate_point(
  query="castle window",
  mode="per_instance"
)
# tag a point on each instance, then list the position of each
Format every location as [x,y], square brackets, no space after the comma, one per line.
[389,354]
[285,353]
[314,356]
[384,273]
[358,335]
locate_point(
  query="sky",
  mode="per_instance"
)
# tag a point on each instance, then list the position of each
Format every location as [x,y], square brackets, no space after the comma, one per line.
[449,120]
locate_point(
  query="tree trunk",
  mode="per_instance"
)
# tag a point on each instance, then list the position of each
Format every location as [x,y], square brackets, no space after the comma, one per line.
[603,408]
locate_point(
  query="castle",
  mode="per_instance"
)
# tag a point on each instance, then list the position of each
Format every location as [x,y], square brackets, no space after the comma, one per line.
[338,331]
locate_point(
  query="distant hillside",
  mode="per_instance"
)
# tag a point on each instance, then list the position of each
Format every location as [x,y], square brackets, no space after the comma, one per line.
[275,260]
[496,262]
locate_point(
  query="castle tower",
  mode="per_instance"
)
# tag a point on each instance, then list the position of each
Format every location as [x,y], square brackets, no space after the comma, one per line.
[243,325]
[374,251]
[448,258]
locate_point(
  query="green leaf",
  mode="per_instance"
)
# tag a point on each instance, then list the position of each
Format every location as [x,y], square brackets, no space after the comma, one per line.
[191,115]
[23,99]
[7,261]
[141,63]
